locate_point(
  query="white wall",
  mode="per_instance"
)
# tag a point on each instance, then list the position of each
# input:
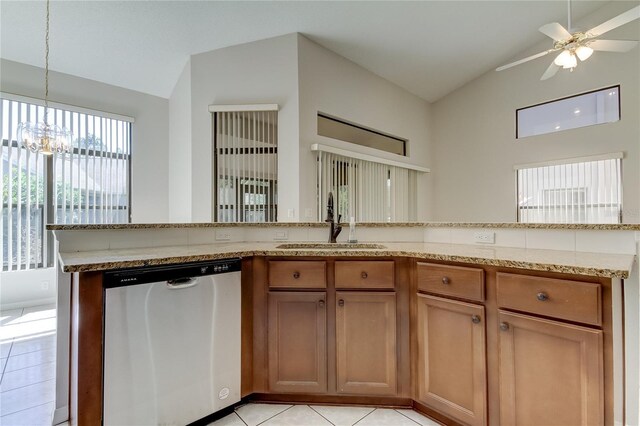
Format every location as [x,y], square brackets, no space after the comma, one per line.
[260,72]
[20,289]
[180,148]
[334,85]
[474,138]
[149,139]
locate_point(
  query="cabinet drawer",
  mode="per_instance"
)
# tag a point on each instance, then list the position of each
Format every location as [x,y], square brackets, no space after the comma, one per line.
[456,281]
[297,274]
[364,274]
[569,300]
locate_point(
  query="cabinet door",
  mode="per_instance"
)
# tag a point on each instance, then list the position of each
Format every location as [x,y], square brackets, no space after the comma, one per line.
[366,343]
[297,342]
[452,358]
[551,373]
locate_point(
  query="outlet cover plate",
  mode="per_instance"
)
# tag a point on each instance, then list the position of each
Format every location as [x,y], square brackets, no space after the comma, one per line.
[484,237]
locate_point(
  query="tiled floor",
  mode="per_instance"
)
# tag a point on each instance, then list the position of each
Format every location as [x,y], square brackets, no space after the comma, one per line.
[27,366]
[319,415]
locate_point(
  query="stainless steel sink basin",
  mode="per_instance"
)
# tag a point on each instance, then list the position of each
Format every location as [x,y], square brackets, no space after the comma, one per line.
[330,246]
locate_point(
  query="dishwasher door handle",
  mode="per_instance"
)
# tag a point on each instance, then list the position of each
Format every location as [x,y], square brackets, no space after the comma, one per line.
[181,283]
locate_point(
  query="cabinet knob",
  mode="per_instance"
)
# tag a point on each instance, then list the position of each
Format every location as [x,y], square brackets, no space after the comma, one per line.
[475,319]
[341,302]
[321,303]
[364,275]
[296,275]
[445,280]
[542,296]
[504,326]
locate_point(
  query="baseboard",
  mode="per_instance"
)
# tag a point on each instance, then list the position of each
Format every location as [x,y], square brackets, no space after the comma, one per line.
[435,415]
[27,303]
[377,401]
[61,415]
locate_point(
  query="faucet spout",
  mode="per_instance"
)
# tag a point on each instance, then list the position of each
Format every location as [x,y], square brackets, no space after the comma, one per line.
[334,228]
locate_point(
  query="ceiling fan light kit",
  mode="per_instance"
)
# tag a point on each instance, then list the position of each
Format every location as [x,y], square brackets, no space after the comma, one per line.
[580,45]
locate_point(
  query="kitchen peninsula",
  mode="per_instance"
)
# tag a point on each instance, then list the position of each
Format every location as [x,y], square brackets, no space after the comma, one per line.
[466,333]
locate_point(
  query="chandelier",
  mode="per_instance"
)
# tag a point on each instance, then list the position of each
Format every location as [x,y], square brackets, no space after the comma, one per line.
[45,137]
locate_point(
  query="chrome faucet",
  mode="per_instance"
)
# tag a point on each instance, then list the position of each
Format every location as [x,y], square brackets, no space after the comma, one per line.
[335,228]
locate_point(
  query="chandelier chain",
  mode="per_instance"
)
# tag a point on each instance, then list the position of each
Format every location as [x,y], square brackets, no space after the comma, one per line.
[46,70]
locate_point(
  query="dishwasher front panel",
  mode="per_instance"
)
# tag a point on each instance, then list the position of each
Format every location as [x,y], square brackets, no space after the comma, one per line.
[172,353]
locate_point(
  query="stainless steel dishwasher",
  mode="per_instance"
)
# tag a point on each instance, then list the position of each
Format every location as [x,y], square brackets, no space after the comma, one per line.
[172,342]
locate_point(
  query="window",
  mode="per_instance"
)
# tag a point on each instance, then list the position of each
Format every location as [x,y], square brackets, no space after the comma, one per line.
[369,191]
[245,164]
[336,128]
[587,109]
[88,185]
[583,191]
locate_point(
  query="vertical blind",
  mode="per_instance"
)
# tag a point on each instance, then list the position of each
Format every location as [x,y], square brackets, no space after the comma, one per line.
[366,190]
[246,166]
[89,185]
[578,192]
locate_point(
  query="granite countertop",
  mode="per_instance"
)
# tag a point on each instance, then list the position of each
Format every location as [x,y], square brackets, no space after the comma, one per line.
[571,262]
[598,226]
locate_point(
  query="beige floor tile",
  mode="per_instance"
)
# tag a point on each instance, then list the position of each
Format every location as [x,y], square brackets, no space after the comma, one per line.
[35,344]
[30,329]
[27,397]
[296,416]
[342,416]
[36,416]
[35,313]
[3,362]
[5,347]
[254,414]
[419,418]
[230,420]
[28,376]
[9,315]
[30,359]
[386,417]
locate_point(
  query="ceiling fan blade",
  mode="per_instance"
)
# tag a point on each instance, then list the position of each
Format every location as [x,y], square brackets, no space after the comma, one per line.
[555,31]
[522,61]
[550,72]
[623,18]
[613,45]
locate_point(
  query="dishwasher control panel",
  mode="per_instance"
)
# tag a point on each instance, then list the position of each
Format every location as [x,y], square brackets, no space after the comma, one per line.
[150,274]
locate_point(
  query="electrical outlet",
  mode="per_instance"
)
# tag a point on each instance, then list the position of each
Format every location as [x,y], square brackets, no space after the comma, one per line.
[484,237]
[44,285]
[308,213]
[223,235]
[291,213]
[281,235]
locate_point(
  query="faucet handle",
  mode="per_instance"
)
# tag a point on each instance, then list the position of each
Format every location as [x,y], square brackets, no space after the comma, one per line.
[339,218]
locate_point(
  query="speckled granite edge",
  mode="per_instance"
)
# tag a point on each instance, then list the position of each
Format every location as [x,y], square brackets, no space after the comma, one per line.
[88,227]
[566,269]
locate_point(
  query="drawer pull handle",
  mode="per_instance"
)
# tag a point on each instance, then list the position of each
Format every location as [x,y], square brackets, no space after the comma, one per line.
[296,275]
[446,280]
[504,326]
[542,296]
[364,275]
[340,302]
[321,303]
[475,319]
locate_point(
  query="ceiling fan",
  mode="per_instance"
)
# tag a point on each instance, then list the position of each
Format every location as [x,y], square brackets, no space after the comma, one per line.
[580,44]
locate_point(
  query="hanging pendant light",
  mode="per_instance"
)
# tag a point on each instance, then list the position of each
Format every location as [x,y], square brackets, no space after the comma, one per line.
[43,137]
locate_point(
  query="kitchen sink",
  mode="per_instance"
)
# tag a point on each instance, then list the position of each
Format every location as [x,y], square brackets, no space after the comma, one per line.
[330,246]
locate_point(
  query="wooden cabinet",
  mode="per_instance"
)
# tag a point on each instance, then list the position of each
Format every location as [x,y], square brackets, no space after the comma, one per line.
[297,333]
[452,358]
[451,281]
[551,373]
[366,343]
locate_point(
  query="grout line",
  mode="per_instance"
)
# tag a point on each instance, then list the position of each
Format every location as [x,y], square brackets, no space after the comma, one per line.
[276,415]
[238,416]
[320,414]
[34,383]
[407,417]
[29,366]
[371,412]
[38,405]
[30,408]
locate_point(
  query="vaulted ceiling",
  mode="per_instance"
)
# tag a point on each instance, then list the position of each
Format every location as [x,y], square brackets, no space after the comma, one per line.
[430,48]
